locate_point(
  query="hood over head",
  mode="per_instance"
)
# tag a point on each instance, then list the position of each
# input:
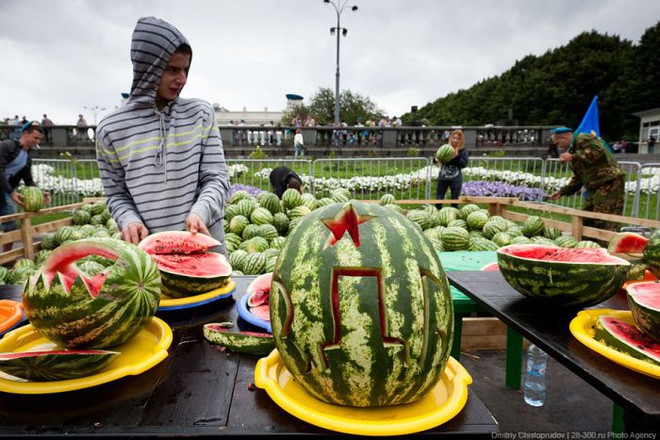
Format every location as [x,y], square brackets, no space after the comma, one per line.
[153,43]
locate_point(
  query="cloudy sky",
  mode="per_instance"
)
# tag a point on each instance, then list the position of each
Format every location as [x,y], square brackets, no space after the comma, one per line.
[65,57]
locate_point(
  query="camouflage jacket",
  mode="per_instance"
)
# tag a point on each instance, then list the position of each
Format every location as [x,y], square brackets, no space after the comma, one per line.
[592,163]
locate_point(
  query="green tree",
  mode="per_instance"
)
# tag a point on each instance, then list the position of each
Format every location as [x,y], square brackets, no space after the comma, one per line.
[353,107]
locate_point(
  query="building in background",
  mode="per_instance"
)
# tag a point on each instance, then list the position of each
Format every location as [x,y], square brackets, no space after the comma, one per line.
[254,117]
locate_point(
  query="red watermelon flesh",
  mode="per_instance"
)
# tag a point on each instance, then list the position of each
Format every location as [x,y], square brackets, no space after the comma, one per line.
[259,290]
[548,253]
[197,265]
[177,242]
[628,243]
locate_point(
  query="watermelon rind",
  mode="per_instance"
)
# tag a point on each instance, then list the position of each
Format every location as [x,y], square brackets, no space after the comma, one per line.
[626,338]
[643,299]
[41,366]
[237,340]
[563,283]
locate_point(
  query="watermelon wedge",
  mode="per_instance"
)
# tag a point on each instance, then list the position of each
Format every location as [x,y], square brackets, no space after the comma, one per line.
[644,302]
[626,338]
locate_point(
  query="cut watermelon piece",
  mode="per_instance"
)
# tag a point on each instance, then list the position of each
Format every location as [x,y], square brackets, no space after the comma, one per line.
[644,302]
[627,243]
[237,340]
[562,276]
[626,338]
[43,366]
[259,290]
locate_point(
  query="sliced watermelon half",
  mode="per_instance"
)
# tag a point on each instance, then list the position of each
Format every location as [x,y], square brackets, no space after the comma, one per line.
[644,302]
[41,366]
[626,338]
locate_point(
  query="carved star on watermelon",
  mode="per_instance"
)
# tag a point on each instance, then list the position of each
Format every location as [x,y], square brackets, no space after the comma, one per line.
[346,220]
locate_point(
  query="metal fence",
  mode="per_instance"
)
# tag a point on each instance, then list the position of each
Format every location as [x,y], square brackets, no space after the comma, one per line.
[407,178]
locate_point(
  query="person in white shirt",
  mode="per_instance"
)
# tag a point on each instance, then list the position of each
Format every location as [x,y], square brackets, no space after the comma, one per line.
[298,144]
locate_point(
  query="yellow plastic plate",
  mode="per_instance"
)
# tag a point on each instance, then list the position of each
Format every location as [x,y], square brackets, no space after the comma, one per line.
[140,353]
[11,313]
[582,328]
[441,404]
[167,303]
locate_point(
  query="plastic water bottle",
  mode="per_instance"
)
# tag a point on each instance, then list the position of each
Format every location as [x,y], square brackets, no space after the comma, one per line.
[534,386]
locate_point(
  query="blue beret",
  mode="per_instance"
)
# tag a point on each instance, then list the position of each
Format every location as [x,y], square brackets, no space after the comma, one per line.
[560,130]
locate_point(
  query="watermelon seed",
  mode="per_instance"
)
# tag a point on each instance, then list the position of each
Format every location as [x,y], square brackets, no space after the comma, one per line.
[251,387]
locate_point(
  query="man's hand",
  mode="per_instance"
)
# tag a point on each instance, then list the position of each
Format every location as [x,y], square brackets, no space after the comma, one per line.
[134,232]
[195,224]
[554,195]
[47,199]
[17,198]
[565,157]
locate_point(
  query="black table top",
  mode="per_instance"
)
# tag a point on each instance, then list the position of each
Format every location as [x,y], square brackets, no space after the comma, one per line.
[548,328]
[196,391]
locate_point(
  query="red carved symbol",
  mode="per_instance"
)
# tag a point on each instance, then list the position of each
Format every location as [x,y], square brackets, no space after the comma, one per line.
[346,220]
[336,315]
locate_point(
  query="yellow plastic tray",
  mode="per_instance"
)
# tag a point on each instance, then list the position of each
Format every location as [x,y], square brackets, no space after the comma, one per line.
[441,404]
[11,313]
[140,353]
[582,328]
[166,303]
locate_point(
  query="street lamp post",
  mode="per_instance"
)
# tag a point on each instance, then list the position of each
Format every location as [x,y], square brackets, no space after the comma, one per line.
[95,111]
[339,6]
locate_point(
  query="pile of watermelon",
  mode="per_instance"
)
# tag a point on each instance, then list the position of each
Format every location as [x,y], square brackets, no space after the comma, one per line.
[89,221]
[256,227]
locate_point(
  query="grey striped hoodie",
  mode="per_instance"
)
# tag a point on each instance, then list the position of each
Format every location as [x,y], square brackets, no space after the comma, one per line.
[159,166]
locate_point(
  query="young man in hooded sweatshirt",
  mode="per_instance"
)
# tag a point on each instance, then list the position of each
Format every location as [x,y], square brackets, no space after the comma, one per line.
[160,156]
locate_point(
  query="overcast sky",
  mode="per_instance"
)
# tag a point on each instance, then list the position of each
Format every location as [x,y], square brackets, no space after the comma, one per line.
[60,56]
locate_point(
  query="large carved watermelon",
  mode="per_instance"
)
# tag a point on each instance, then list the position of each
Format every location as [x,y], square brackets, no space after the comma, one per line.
[644,302]
[186,265]
[75,309]
[360,307]
[561,276]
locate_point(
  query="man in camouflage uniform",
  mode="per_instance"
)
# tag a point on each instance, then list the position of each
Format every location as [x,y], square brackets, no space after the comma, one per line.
[595,168]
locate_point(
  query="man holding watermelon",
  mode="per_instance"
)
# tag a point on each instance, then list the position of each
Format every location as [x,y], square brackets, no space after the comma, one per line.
[595,168]
[16,166]
[160,156]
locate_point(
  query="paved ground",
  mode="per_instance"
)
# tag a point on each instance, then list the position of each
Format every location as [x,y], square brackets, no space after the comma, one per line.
[571,404]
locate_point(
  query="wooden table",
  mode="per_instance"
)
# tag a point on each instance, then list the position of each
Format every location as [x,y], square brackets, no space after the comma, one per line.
[196,391]
[638,395]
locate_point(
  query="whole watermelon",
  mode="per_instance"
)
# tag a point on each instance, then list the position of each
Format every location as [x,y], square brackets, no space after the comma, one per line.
[77,310]
[652,253]
[360,307]
[445,153]
[33,198]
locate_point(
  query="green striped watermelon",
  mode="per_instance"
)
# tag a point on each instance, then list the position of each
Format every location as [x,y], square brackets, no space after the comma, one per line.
[561,276]
[360,307]
[445,153]
[33,198]
[44,366]
[76,310]
[652,253]
[186,266]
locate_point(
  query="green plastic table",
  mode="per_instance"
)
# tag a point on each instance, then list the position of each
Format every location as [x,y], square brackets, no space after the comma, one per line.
[464,306]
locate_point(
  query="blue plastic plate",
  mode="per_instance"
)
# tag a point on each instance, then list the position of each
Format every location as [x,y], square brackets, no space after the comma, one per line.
[244,312]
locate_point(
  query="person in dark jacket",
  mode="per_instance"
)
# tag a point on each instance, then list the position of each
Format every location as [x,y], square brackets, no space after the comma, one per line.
[16,166]
[450,175]
[283,178]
